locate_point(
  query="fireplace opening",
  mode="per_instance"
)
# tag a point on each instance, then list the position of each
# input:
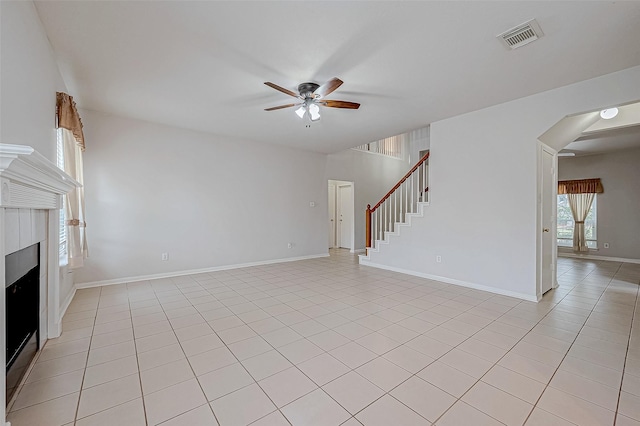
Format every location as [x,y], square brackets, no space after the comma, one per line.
[22,298]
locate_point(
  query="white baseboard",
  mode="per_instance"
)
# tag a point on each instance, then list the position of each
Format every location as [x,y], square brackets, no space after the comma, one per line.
[194,271]
[67,302]
[594,257]
[523,296]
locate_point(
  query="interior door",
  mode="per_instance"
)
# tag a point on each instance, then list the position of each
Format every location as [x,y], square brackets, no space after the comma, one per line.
[332,215]
[548,220]
[345,216]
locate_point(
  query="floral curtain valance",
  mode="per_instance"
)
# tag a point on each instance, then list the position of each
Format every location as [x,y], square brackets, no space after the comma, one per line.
[580,186]
[68,118]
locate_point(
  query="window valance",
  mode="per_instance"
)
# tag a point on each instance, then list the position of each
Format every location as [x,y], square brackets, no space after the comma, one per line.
[580,186]
[68,118]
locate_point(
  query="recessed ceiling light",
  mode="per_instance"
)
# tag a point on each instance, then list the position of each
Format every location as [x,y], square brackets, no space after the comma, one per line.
[609,113]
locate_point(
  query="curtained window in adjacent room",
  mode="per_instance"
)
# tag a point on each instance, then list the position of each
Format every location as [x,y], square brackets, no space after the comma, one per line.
[73,240]
[578,227]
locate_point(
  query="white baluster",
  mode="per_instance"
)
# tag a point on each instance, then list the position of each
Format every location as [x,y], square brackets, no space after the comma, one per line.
[395,206]
[420,180]
[392,206]
[384,220]
[401,209]
[386,217]
[412,191]
[373,229]
[384,214]
[406,198]
[426,182]
[419,173]
[417,178]
[390,213]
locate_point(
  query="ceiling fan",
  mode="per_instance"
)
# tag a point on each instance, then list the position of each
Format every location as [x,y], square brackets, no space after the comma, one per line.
[312,97]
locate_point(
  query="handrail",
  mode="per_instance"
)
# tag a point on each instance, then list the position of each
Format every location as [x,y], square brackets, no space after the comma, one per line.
[395,209]
[409,173]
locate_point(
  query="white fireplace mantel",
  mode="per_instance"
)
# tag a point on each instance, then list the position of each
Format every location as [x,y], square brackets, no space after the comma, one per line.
[33,185]
[29,180]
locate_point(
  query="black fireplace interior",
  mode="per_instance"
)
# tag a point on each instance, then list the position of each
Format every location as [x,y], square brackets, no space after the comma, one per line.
[22,291]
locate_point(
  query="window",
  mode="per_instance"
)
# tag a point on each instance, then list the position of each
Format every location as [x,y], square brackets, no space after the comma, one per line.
[566,224]
[62,223]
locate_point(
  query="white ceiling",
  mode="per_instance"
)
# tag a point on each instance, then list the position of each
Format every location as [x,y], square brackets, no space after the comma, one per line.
[201,65]
[602,136]
[606,141]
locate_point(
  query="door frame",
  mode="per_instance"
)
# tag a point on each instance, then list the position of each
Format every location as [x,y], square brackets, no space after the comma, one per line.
[331,209]
[553,200]
[350,207]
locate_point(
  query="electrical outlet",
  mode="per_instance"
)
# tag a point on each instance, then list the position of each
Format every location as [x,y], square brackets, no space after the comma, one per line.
[438,259]
[165,256]
[606,245]
[290,245]
[312,203]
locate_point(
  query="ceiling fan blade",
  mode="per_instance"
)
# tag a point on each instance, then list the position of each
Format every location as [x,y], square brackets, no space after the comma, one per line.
[281,89]
[328,87]
[281,107]
[340,104]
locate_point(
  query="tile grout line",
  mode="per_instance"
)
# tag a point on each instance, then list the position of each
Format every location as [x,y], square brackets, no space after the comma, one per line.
[572,343]
[548,384]
[459,399]
[185,357]
[635,309]
[416,374]
[135,349]
[496,363]
[84,372]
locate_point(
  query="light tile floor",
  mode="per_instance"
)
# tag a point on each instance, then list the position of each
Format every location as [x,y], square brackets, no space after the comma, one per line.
[328,342]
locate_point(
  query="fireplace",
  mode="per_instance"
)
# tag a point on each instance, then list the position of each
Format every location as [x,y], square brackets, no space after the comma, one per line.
[31,189]
[22,298]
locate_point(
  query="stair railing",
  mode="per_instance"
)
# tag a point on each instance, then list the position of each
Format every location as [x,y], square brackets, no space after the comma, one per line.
[402,199]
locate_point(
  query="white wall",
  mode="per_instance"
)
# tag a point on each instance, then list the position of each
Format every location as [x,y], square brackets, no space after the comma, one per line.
[419,140]
[208,201]
[373,176]
[29,80]
[619,205]
[483,187]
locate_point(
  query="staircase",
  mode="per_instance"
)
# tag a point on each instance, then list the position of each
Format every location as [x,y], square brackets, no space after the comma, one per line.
[394,211]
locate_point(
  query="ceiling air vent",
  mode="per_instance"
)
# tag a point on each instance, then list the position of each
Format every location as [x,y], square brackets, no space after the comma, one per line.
[521,35]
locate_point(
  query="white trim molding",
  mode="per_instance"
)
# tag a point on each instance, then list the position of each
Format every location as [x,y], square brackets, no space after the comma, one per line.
[523,296]
[124,280]
[594,257]
[29,180]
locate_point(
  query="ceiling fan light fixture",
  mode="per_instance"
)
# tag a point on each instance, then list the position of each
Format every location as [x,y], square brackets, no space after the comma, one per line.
[312,96]
[314,112]
[609,113]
